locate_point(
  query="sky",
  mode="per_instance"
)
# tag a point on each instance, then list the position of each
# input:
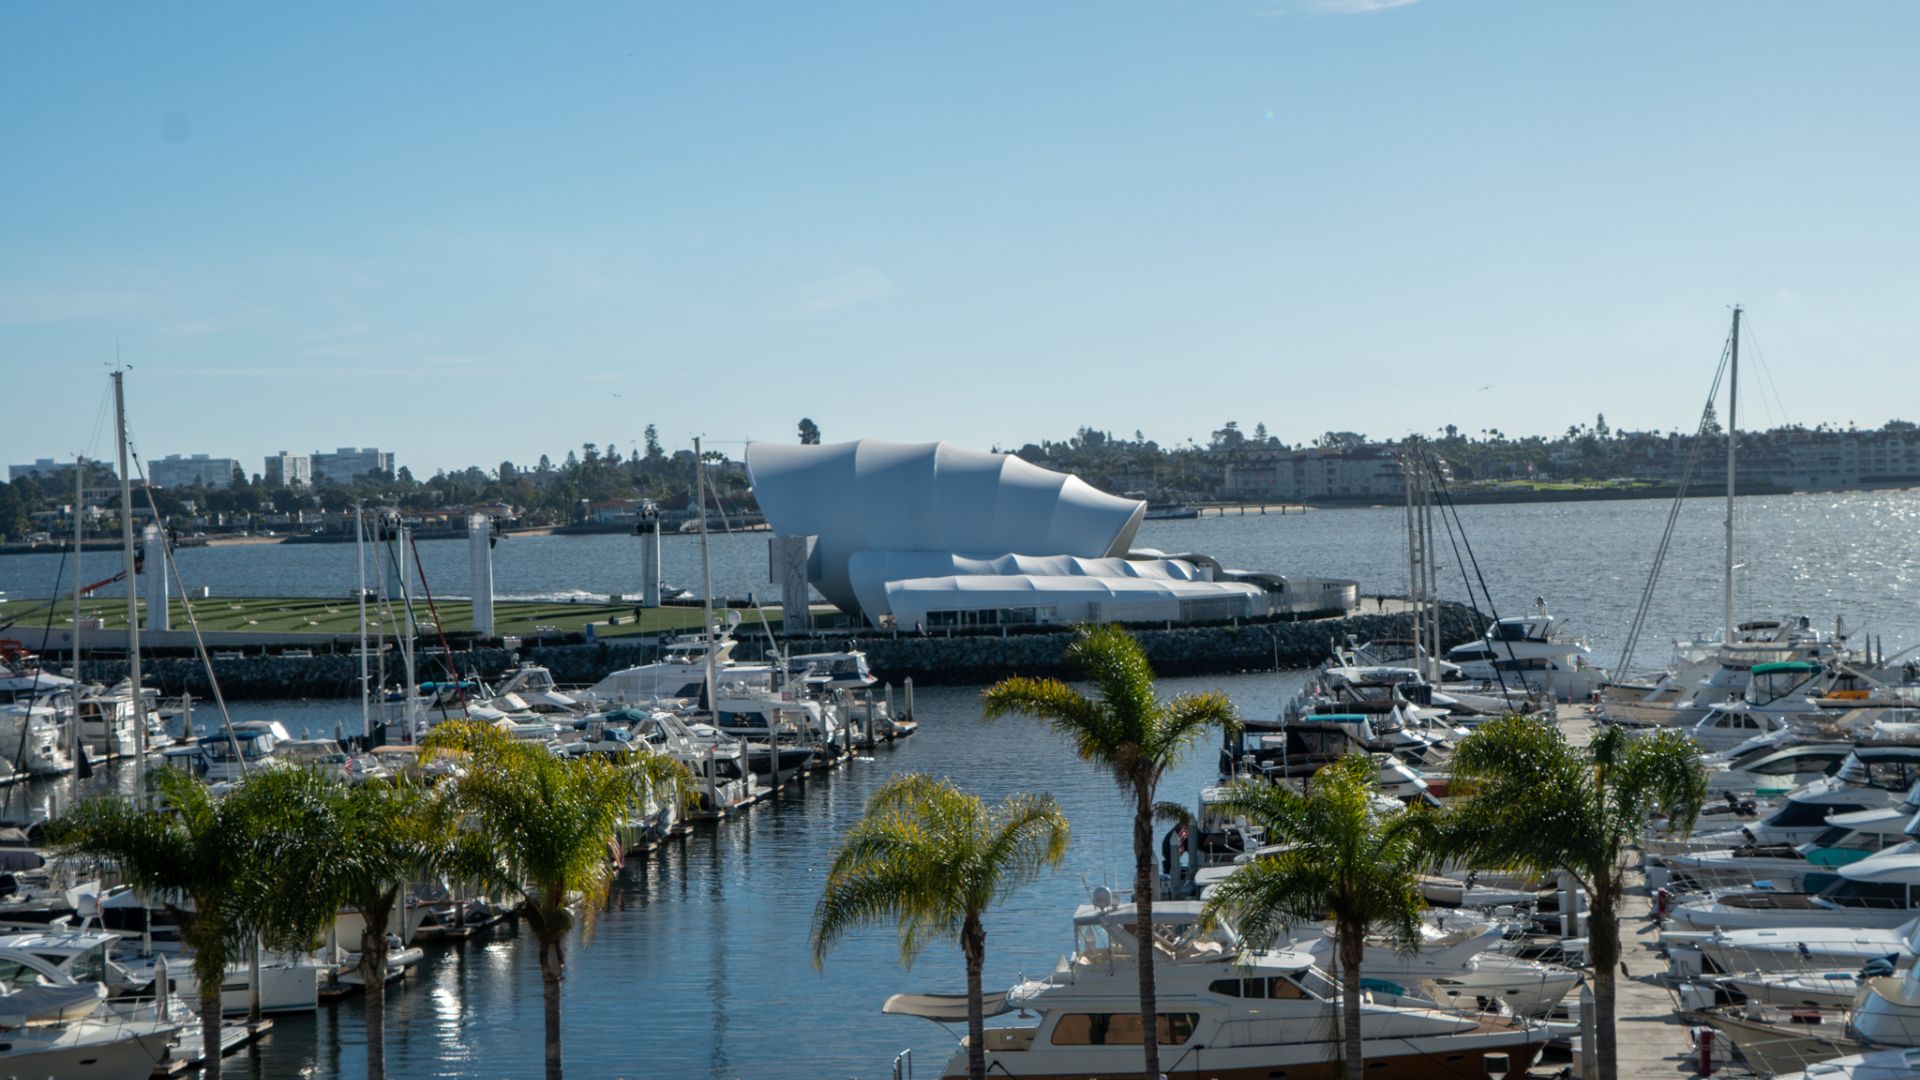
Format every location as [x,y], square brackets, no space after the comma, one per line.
[474,232]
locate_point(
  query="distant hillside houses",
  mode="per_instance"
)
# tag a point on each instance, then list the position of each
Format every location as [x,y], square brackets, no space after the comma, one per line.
[1370,473]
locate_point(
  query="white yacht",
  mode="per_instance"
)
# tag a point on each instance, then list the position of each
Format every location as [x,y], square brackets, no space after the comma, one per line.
[1872,1065]
[1881,890]
[1223,1012]
[1531,650]
[1848,838]
[1875,774]
[680,674]
[109,724]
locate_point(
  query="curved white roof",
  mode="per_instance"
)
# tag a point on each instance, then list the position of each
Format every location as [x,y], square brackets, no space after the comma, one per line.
[871,495]
[872,571]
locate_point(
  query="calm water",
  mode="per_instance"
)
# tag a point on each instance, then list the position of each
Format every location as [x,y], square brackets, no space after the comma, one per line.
[1818,555]
[701,967]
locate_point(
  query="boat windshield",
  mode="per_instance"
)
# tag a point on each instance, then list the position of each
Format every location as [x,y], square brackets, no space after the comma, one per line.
[1894,774]
[1847,893]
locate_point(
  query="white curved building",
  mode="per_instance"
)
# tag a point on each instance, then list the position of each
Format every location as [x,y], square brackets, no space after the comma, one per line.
[932,534]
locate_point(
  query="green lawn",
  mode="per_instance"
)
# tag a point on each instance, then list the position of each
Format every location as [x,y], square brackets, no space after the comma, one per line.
[342,616]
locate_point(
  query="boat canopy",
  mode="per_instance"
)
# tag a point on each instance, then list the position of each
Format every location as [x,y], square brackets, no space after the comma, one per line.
[1786,665]
[944,1008]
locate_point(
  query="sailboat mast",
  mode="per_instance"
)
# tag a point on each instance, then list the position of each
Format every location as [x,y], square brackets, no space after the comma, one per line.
[126,552]
[706,572]
[360,559]
[79,538]
[1733,438]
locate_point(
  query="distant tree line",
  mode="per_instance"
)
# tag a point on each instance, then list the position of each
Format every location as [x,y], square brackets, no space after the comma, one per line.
[549,492]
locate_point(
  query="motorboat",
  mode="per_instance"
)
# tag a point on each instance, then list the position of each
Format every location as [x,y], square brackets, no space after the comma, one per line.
[680,674]
[1534,651]
[1775,767]
[109,724]
[226,756]
[1848,838]
[1887,1010]
[115,1049]
[1223,1011]
[1897,1064]
[1789,950]
[1875,774]
[1881,890]
[1711,673]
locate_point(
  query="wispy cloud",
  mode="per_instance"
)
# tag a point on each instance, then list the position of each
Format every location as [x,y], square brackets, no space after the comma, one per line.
[848,288]
[1331,7]
[39,306]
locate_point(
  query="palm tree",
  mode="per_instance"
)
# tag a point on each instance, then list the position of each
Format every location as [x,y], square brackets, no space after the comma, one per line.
[230,871]
[390,834]
[935,858]
[1536,802]
[1344,860]
[1136,737]
[543,829]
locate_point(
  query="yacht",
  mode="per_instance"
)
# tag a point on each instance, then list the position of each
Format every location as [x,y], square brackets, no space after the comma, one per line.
[1887,1010]
[1875,774]
[223,756]
[723,779]
[1223,1011]
[1531,650]
[109,724]
[1881,890]
[1848,838]
[108,1049]
[680,674]
[1709,674]
[1774,767]
[1871,1065]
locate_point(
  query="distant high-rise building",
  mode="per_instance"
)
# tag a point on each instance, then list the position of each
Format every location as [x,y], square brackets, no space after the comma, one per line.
[174,471]
[288,470]
[348,464]
[40,467]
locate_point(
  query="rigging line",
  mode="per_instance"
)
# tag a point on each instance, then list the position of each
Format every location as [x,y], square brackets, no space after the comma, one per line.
[33,689]
[193,620]
[1450,506]
[1700,437]
[446,650]
[1766,372]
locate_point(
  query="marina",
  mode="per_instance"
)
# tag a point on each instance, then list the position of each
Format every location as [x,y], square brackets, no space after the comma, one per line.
[1249,540]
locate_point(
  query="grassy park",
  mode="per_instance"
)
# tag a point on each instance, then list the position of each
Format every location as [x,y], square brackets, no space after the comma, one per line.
[341,616]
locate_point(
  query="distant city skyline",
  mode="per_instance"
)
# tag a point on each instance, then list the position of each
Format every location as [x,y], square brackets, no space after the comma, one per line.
[486,238]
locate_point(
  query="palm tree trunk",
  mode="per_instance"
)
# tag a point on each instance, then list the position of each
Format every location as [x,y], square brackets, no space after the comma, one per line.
[973,943]
[1603,945]
[1144,887]
[1353,944]
[210,1027]
[552,961]
[373,972]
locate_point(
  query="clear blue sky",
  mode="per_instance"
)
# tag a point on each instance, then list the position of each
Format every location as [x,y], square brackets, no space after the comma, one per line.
[476,232]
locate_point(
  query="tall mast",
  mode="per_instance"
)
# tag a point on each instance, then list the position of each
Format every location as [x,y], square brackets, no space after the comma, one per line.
[133,594]
[79,537]
[706,577]
[360,558]
[1733,431]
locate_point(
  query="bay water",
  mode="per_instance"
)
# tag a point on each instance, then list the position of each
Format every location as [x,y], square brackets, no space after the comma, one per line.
[700,966]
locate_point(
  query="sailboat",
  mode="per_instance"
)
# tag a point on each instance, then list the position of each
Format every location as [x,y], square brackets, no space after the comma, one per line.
[1709,674]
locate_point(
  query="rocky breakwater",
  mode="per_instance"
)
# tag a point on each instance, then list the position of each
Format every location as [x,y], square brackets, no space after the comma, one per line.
[1196,650]
[964,658]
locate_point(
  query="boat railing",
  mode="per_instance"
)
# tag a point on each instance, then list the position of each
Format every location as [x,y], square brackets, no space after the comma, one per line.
[903,1065]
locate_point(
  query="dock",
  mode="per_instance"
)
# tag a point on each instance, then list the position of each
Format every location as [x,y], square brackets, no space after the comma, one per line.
[1651,1039]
